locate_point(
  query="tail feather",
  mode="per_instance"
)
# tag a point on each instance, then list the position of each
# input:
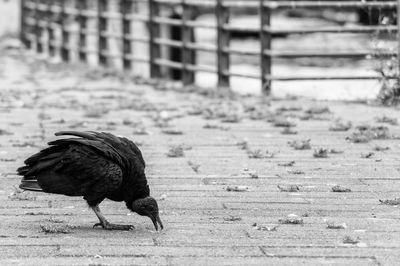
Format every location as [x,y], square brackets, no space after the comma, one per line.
[44,154]
[30,184]
[37,168]
[23,170]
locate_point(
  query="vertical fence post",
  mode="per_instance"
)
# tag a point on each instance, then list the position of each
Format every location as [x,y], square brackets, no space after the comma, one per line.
[82,6]
[187,37]
[154,33]
[23,27]
[398,40]
[38,28]
[102,32]
[265,38]
[223,36]
[126,10]
[65,35]
[50,30]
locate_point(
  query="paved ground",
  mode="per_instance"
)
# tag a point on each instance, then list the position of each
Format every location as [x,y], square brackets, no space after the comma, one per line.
[205,223]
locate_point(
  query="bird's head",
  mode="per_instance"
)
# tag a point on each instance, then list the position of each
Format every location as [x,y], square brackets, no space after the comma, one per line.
[148,207]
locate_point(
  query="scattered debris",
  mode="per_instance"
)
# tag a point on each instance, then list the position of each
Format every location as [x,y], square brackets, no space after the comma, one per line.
[55,220]
[291,219]
[351,240]
[305,117]
[243,145]
[24,144]
[255,154]
[56,229]
[195,110]
[260,114]
[296,172]
[381,148]
[36,213]
[287,164]
[363,127]
[334,151]
[269,154]
[339,188]
[358,137]
[300,144]
[388,120]
[129,122]
[283,122]
[367,155]
[289,188]
[163,197]
[176,151]
[366,133]
[289,131]
[333,225]
[4,132]
[231,118]
[19,194]
[259,154]
[194,166]
[395,201]
[253,174]
[291,108]
[340,125]
[232,219]
[317,110]
[237,188]
[320,153]
[172,132]
[60,121]
[7,160]
[215,126]
[265,227]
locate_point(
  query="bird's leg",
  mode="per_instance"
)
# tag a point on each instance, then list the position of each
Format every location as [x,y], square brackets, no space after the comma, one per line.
[105,224]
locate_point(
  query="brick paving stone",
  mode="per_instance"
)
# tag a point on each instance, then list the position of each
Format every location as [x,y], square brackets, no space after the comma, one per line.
[204,223]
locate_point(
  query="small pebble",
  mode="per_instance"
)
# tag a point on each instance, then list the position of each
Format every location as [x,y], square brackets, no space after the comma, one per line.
[237,188]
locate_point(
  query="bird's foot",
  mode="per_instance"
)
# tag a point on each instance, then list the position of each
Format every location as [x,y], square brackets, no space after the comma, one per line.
[110,226]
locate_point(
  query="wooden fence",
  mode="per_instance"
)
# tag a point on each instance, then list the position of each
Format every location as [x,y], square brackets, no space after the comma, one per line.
[92,19]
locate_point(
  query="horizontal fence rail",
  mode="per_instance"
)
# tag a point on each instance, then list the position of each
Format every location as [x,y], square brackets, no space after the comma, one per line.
[169,35]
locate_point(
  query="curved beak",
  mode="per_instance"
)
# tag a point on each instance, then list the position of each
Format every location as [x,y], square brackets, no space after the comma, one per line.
[156,220]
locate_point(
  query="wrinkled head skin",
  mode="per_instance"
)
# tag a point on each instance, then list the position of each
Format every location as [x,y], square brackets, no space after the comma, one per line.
[148,207]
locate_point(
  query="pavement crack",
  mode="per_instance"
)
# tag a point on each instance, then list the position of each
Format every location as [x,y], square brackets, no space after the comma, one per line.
[155,242]
[262,251]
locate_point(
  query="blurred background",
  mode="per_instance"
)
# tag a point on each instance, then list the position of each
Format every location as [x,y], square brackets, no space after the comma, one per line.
[9,17]
[245,19]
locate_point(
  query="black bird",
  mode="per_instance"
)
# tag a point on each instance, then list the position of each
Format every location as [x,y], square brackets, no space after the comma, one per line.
[96,166]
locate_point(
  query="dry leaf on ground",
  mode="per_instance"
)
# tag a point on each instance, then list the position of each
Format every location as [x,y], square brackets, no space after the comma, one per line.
[300,144]
[339,188]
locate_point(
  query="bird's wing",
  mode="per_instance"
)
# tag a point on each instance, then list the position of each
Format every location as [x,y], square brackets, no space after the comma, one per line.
[123,153]
[75,170]
[120,150]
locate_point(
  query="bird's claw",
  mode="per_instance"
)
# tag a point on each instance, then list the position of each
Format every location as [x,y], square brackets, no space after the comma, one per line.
[109,226]
[98,224]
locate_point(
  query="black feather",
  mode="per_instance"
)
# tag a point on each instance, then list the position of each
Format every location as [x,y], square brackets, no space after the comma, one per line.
[95,165]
